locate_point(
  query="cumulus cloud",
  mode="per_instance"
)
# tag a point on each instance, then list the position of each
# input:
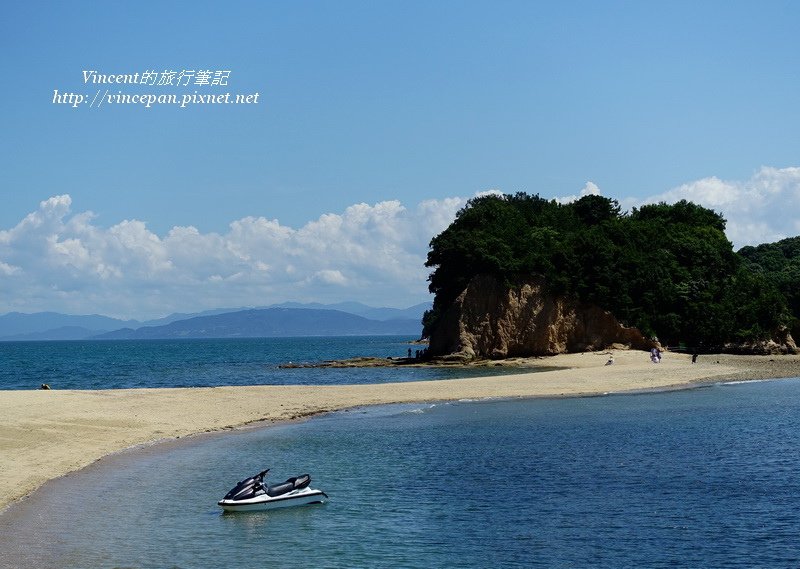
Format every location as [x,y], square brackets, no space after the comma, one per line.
[590,189]
[7,269]
[328,276]
[763,209]
[55,259]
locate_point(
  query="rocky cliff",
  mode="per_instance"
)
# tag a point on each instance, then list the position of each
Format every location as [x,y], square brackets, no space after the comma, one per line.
[490,320]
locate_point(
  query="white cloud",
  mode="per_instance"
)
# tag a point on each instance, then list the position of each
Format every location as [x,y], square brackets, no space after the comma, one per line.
[488,193]
[590,189]
[8,270]
[328,276]
[55,259]
[763,209]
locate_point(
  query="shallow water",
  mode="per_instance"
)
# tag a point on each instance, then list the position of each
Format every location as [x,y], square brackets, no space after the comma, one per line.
[698,478]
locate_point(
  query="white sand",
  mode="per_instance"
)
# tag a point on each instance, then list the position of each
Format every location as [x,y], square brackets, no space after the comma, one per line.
[46,434]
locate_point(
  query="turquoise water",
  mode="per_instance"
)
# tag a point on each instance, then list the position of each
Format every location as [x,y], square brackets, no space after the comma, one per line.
[201,363]
[698,478]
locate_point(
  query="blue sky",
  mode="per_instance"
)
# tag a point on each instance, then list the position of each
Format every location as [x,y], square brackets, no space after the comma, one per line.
[415,104]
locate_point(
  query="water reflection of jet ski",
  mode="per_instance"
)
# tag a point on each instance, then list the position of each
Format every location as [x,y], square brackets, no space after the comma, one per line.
[253,494]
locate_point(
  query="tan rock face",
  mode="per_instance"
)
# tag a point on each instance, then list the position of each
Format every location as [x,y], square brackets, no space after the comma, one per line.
[781,342]
[490,320]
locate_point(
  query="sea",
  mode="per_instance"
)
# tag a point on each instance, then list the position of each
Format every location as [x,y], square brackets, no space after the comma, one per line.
[703,477]
[122,364]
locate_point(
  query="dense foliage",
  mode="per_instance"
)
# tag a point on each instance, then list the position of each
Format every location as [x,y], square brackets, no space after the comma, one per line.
[667,269]
[779,264]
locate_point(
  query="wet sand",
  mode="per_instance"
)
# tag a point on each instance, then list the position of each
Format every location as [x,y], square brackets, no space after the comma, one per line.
[47,434]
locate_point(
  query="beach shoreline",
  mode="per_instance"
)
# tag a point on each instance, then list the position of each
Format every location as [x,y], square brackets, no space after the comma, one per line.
[45,434]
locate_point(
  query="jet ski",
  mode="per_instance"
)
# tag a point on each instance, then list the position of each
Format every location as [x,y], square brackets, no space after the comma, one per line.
[253,494]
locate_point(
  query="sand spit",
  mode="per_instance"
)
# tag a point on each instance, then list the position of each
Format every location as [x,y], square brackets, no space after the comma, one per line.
[46,434]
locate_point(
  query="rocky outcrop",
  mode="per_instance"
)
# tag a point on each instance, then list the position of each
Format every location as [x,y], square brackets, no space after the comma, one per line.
[781,342]
[491,320]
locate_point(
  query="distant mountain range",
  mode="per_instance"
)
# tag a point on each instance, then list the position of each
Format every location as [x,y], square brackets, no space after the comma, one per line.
[286,319]
[412,313]
[270,322]
[56,326]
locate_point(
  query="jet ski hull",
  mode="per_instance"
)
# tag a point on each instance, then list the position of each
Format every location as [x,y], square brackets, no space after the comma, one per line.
[263,502]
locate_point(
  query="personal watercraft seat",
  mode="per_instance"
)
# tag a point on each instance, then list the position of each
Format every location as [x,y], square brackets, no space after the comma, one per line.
[295,483]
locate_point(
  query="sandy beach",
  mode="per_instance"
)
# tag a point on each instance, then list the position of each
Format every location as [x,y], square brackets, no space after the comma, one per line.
[47,434]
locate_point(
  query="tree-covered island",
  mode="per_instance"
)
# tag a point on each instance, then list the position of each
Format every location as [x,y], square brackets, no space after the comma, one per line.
[667,270]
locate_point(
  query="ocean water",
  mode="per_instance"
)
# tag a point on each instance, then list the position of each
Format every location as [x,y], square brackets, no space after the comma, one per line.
[208,362]
[697,478]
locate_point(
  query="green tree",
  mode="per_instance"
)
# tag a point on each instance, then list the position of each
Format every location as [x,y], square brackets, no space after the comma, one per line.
[667,269]
[779,265]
